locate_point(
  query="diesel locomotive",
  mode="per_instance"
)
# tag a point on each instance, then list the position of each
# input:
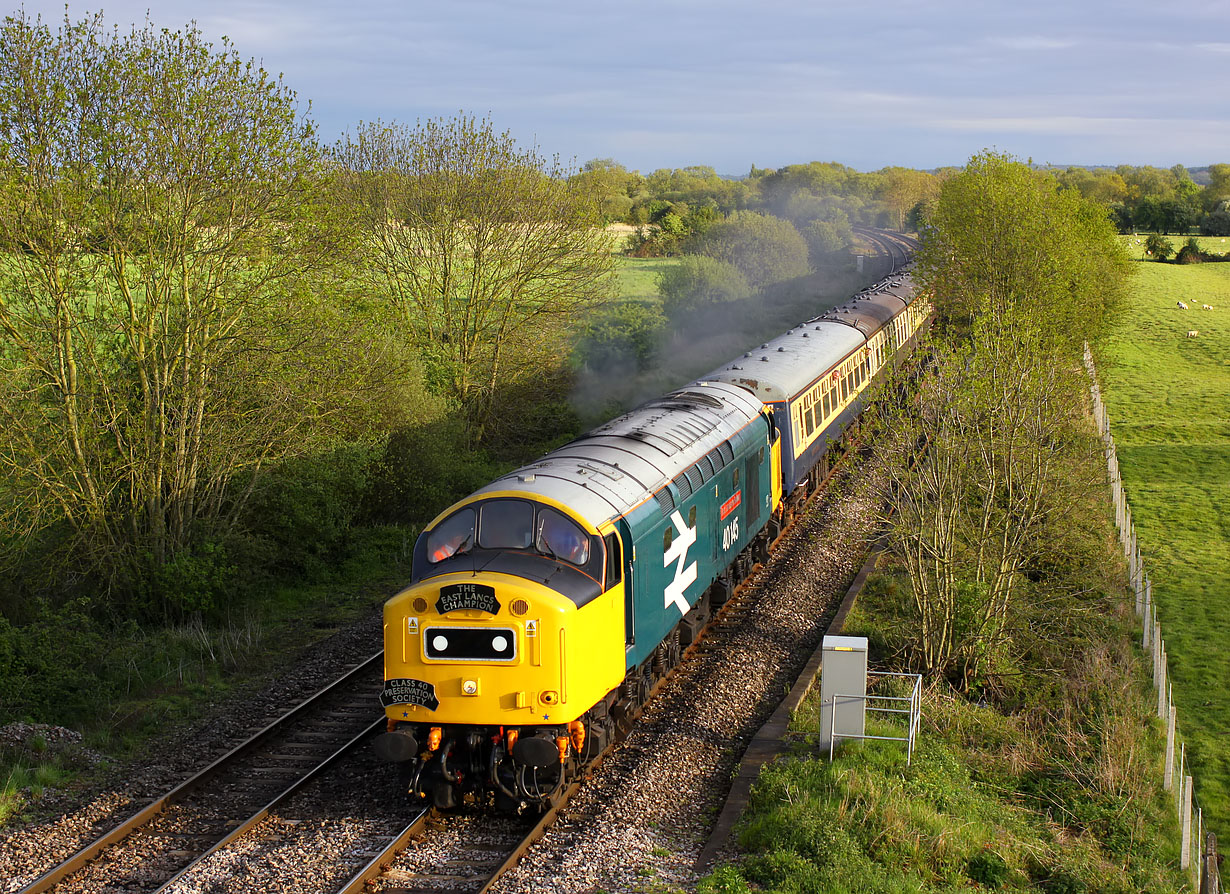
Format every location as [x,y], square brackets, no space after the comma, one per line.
[543,608]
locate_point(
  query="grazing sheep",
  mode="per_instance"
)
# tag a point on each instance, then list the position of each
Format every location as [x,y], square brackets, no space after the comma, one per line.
[1206,306]
[1193,333]
[1182,305]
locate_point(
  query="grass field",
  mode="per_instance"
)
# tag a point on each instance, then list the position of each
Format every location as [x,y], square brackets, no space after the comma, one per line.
[1169,402]
[638,277]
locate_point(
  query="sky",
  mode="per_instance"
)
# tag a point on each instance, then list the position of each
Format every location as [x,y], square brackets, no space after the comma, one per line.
[671,83]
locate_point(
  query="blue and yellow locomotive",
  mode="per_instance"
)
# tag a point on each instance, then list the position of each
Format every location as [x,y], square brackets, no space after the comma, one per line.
[543,607]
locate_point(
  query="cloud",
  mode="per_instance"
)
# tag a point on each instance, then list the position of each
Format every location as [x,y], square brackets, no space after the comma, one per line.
[1035,43]
[658,83]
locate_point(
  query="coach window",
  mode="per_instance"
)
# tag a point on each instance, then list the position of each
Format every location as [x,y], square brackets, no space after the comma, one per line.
[667,536]
[735,479]
[692,517]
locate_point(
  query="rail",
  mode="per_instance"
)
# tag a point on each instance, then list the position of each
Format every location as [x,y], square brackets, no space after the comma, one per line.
[143,817]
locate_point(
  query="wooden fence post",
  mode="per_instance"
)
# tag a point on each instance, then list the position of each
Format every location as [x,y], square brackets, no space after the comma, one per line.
[1211,882]
[1146,629]
[1161,684]
[1168,773]
[1185,851]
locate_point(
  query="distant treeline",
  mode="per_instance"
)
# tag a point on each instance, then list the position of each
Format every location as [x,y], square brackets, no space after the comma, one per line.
[823,199]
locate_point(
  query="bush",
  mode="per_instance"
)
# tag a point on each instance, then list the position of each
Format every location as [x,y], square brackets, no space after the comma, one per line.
[1159,246]
[1190,252]
[723,880]
[698,280]
[623,336]
[825,237]
[766,249]
[988,868]
[424,469]
[52,669]
[304,510]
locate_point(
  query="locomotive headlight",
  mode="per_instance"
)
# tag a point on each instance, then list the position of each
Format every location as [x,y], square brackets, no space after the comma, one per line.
[469,687]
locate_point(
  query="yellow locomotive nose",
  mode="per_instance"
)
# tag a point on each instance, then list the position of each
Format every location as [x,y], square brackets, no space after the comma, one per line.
[496,650]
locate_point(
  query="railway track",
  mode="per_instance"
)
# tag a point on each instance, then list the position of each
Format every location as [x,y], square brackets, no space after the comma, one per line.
[161,847]
[236,802]
[899,248]
[163,841]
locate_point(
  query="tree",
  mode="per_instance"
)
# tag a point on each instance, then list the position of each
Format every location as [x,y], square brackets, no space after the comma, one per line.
[1217,221]
[1001,236]
[159,211]
[612,183]
[1158,246]
[488,252]
[1000,413]
[1218,189]
[903,188]
[825,237]
[765,249]
[1020,272]
[698,280]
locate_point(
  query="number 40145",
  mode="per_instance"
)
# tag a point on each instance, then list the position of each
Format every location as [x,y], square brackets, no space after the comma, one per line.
[730,534]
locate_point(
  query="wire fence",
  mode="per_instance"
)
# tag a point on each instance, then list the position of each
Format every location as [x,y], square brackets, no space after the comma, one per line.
[1197,851]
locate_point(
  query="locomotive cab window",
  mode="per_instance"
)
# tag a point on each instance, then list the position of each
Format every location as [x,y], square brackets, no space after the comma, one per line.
[614,567]
[506,524]
[453,536]
[561,537]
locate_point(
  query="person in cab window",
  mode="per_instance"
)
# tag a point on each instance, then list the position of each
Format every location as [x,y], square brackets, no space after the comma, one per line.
[448,547]
[453,536]
[559,537]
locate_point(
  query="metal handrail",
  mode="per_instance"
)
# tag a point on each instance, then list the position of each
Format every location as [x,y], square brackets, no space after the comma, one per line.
[914,712]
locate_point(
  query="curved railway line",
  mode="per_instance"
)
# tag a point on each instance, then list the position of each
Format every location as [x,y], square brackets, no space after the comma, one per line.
[231,804]
[897,246]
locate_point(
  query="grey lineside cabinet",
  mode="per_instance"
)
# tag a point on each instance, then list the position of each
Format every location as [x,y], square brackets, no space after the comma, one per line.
[843,675]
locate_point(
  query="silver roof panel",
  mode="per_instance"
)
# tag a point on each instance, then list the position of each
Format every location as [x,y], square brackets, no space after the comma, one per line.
[607,472]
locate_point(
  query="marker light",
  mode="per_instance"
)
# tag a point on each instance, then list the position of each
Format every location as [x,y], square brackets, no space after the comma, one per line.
[469,687]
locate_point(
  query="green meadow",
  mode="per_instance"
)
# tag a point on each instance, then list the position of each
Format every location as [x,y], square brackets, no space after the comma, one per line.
[637,278]
[1169,400]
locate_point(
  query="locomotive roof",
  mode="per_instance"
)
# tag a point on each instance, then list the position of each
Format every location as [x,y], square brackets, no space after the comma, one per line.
[780,369]
[608,471]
